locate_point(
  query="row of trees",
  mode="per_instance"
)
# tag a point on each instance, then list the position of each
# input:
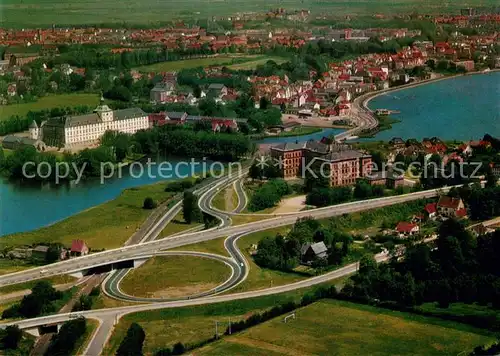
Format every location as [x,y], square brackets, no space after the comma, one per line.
[269,194]
[461,269]
[336,195]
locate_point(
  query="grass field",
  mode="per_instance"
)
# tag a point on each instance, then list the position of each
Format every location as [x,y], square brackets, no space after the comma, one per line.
[174,276]
[105,226]
[341,328]
[35,13]
[49,102]
[190,325]
[232,61]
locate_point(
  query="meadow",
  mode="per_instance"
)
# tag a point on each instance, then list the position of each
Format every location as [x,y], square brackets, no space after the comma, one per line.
[342,328]
[49,102]
[174,276]
[44,13]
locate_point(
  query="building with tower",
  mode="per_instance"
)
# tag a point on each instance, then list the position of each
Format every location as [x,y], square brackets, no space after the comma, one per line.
[69,131]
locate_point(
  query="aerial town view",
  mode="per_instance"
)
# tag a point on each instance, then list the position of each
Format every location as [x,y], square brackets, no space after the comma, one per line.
[232,177]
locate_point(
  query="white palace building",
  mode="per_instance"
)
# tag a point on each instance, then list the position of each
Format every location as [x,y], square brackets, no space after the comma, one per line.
[88,129]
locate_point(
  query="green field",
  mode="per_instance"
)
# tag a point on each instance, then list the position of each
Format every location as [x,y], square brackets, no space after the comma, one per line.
[35,13]
[174,276]
[49,102]
[190,325]
[332,327]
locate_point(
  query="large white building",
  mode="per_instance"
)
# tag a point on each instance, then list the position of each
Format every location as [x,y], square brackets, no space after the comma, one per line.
[88,129]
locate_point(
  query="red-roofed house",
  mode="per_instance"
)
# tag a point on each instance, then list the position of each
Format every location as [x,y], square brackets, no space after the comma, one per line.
[431,210]
[450,207]
[79,248]
[407,229]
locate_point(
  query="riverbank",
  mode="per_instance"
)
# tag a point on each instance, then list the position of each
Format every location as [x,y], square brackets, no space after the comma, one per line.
[105,226]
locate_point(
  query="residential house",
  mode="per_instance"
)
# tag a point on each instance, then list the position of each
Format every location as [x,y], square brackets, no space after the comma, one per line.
[79,248]
[405,229]
[217,90]
[431,210]
[451,207]
[12,142]
[39,252]
[480,229]
[160,92]
[311,252]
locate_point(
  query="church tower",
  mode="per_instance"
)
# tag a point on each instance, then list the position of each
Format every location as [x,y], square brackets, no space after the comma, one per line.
[104,112]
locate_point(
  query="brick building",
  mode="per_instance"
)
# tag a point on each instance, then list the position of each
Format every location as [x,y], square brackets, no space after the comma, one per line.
[342,164]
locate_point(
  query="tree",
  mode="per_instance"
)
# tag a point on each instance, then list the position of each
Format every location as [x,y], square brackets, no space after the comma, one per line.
[53,253]
[263,103]
[149,203]
[12,336]
[190,209]
[132,344]
[65,341]
[178,349]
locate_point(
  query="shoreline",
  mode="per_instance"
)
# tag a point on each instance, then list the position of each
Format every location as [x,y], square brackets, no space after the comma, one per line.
[362,110]
[375,94]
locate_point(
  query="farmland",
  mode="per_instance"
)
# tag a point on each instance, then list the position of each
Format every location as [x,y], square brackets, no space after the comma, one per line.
[44,13]
[342,328]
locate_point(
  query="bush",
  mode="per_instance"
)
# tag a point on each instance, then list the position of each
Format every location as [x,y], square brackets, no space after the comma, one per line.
[12,336]
[269,194]
[149,203]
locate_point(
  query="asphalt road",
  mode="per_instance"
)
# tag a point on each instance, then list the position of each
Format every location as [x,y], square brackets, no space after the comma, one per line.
[236,263]
[129,252]
[242,196]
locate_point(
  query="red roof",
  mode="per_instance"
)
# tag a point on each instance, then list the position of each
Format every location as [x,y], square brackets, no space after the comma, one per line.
[449,202]
[430,208]
[404,226]
[461,213]
[78,246]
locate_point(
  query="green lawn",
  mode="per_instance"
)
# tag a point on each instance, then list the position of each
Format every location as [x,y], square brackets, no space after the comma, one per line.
[189,325]
[198,62]
[331,327]
[106,226]
[174,276]
[49,102]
